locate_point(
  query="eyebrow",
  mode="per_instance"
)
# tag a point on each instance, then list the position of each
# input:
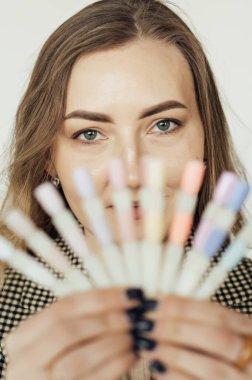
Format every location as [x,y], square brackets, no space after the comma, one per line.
[103,118]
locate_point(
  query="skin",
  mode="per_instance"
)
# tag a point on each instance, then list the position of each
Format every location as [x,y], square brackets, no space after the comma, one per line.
[195,339]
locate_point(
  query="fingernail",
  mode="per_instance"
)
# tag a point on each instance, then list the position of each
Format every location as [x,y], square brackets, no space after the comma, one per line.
[136,333]
[149,304]
[157,366]
[134,313]
[135,294]
[144,325]
[142,343]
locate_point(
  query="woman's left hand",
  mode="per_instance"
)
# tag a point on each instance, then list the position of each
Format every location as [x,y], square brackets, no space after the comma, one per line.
[198,340]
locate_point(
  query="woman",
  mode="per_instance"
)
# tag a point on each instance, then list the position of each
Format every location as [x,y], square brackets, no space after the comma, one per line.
[122,78]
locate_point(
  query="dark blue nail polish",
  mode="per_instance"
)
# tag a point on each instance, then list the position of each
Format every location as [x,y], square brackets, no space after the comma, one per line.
[135,294]
[149,304]
[134,313]
[145,325]
[142,343]
[136,333]
[157,366]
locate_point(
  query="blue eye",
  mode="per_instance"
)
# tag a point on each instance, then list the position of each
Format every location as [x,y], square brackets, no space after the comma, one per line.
[90,134]
[168,125]
[87,136]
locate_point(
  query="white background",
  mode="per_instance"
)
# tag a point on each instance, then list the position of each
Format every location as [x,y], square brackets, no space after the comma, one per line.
[223,26]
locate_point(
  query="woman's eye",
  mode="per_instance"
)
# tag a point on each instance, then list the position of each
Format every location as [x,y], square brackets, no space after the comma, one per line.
[167,125]
[87,136]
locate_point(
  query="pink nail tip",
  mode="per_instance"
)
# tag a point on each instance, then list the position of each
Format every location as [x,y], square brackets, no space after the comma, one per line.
[193,176]
[180,228]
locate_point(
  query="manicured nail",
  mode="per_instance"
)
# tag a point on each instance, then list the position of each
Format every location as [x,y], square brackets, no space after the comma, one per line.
[135,294]
[149,304]
[135,313]
[142,343]
[157,366]
[136,333]
[144,325]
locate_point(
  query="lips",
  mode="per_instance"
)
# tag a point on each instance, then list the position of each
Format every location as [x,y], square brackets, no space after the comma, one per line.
[135,204]
[137,212]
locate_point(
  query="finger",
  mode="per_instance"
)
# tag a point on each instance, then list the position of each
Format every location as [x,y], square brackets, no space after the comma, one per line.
[215,341]
[201,311]
[172,374]
[13,373]
[82,361]
[74,306]
[249,368]
[194,364]
[68,333]
[114,369]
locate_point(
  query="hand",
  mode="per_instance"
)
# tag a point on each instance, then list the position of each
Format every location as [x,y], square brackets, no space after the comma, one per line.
[82,336]
[197,340]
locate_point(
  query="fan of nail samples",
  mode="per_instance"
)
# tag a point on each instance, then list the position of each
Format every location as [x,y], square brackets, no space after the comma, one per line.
[148,263]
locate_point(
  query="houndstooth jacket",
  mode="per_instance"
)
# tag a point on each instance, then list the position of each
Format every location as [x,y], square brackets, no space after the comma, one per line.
[21,298]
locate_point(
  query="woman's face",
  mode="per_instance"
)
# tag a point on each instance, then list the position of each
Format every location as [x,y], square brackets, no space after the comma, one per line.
[125,86]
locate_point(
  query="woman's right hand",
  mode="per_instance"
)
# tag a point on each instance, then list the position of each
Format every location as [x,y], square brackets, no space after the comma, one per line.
[82,336]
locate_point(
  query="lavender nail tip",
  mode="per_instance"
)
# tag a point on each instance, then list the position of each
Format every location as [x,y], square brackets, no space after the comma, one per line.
[239,195]
[214,242]
[224,185]
[84,183]
[202,234]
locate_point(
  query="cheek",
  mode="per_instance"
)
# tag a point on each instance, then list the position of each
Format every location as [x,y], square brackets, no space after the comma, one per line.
[189,147]
[175,168]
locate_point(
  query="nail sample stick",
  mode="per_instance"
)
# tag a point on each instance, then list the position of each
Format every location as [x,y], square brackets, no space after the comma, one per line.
[229,260]
[181,224]
[62,218]
[123,207]
[64,221]
[39,242]
[153,205]
[216,222]
[23,263]
[111,255]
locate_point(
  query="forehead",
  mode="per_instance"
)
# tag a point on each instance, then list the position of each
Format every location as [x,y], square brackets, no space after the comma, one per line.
[139,72]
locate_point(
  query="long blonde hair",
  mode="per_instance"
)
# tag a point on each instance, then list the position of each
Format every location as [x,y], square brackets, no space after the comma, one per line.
[106,24]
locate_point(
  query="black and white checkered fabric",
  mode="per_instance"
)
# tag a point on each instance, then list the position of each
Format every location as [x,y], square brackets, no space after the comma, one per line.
[21,298]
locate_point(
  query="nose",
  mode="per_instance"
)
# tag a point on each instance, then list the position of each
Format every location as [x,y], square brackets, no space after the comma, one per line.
[131,158]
